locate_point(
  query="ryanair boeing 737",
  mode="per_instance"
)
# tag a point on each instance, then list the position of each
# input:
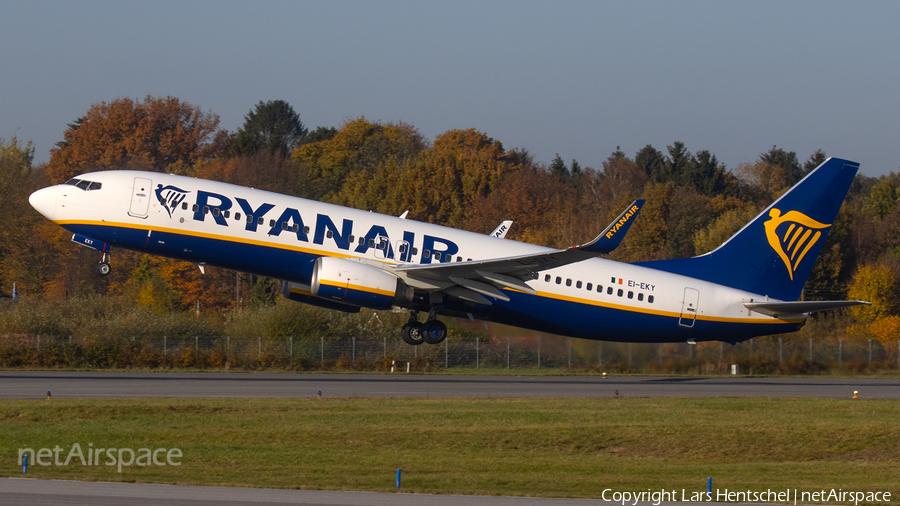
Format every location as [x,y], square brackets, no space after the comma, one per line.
[345,259]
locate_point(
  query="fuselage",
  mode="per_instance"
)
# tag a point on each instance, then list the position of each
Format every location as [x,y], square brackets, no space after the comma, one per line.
[280,236]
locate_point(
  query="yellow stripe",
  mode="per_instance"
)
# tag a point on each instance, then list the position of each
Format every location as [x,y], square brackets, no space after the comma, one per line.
[547,295]
[359,288]
[226,238]
[656,312]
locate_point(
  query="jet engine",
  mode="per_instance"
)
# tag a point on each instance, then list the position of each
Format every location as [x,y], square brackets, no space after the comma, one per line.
[352,282]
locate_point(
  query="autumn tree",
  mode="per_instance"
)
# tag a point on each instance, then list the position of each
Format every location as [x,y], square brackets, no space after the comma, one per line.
[542,208]
[156,134]
[359,147]
[786,160]
[877,284]
[273,126]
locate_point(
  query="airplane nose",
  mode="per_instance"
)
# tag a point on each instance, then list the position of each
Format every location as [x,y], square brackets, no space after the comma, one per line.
[44,201]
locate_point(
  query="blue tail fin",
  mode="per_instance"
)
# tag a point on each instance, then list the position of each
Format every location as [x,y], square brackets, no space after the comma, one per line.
[774,254]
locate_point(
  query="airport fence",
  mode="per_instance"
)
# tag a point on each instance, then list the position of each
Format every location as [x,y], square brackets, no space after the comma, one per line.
[765,355]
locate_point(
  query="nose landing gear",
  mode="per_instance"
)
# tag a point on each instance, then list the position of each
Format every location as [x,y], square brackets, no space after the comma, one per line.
[103,268]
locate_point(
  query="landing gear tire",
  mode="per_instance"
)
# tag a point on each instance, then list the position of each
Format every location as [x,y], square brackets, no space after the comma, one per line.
[413,333]
[435,332]
[103,268]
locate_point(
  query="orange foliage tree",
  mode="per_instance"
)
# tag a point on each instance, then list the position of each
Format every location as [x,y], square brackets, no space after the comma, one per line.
[155,133]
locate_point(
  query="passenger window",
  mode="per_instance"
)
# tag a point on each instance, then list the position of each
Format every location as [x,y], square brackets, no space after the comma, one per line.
[402,248]
[216,211]
[547,278]
[599,288]
[329,234]
[558,280]
[295,228]
[630,295]
[371,243]
[568,282]
[469,260]
[362,240]
[249,218]
[205,209]
[195,208]
[227,214]
[459,259]
[237,216]
[609,291]
[620,292]
[437,256]
[589,287]
[184,205]
[272,223]
[415,251]
[305,230]
[640,296]
[578,284]
[352,239]
[261,220]
[650,299]
[426,253]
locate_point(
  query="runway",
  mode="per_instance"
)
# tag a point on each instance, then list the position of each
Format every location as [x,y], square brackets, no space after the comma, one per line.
[36,384]
[17,491]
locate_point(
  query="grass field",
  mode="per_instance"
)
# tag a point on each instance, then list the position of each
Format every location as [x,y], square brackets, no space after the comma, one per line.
[509,446]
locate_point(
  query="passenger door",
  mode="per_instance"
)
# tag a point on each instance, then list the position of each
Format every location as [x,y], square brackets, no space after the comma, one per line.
[140,197]
[689,307]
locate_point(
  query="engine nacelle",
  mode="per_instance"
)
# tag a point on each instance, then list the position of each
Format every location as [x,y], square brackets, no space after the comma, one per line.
[352,282]
[300,293]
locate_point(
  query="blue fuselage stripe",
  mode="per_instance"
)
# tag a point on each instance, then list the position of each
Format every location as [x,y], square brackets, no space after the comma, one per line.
[564,317]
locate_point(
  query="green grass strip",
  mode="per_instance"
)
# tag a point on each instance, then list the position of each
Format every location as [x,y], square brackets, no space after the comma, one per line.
[507,446]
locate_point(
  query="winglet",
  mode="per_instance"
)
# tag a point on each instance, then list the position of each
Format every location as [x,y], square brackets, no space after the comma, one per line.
[502,229]
[609,239]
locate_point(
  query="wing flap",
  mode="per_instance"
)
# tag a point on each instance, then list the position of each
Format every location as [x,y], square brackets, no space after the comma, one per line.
[800,306]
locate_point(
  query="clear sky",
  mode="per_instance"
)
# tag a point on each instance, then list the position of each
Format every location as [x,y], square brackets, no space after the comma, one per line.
[568,77]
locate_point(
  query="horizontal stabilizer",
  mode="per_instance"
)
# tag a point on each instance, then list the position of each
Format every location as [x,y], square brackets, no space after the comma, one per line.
[800,306]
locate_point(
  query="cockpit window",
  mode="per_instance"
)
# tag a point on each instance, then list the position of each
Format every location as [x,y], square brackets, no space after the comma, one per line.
[84,184]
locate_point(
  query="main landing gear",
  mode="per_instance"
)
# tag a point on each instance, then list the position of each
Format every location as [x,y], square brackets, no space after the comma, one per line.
[432,331]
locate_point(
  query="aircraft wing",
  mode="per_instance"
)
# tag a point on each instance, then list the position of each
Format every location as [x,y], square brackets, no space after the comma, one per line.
[470,281]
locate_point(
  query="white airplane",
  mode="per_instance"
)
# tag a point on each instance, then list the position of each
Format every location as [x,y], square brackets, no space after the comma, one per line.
[345,259]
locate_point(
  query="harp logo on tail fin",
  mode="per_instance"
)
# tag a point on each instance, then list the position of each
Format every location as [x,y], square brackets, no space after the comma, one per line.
[792,236]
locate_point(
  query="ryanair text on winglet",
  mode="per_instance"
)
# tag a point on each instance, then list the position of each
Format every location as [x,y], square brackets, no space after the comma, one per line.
[622,221]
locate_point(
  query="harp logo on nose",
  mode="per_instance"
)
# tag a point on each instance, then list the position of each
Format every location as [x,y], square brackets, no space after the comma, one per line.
[170,196]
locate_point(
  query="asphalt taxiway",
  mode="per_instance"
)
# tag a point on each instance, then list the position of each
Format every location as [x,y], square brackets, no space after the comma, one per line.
[17,491]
